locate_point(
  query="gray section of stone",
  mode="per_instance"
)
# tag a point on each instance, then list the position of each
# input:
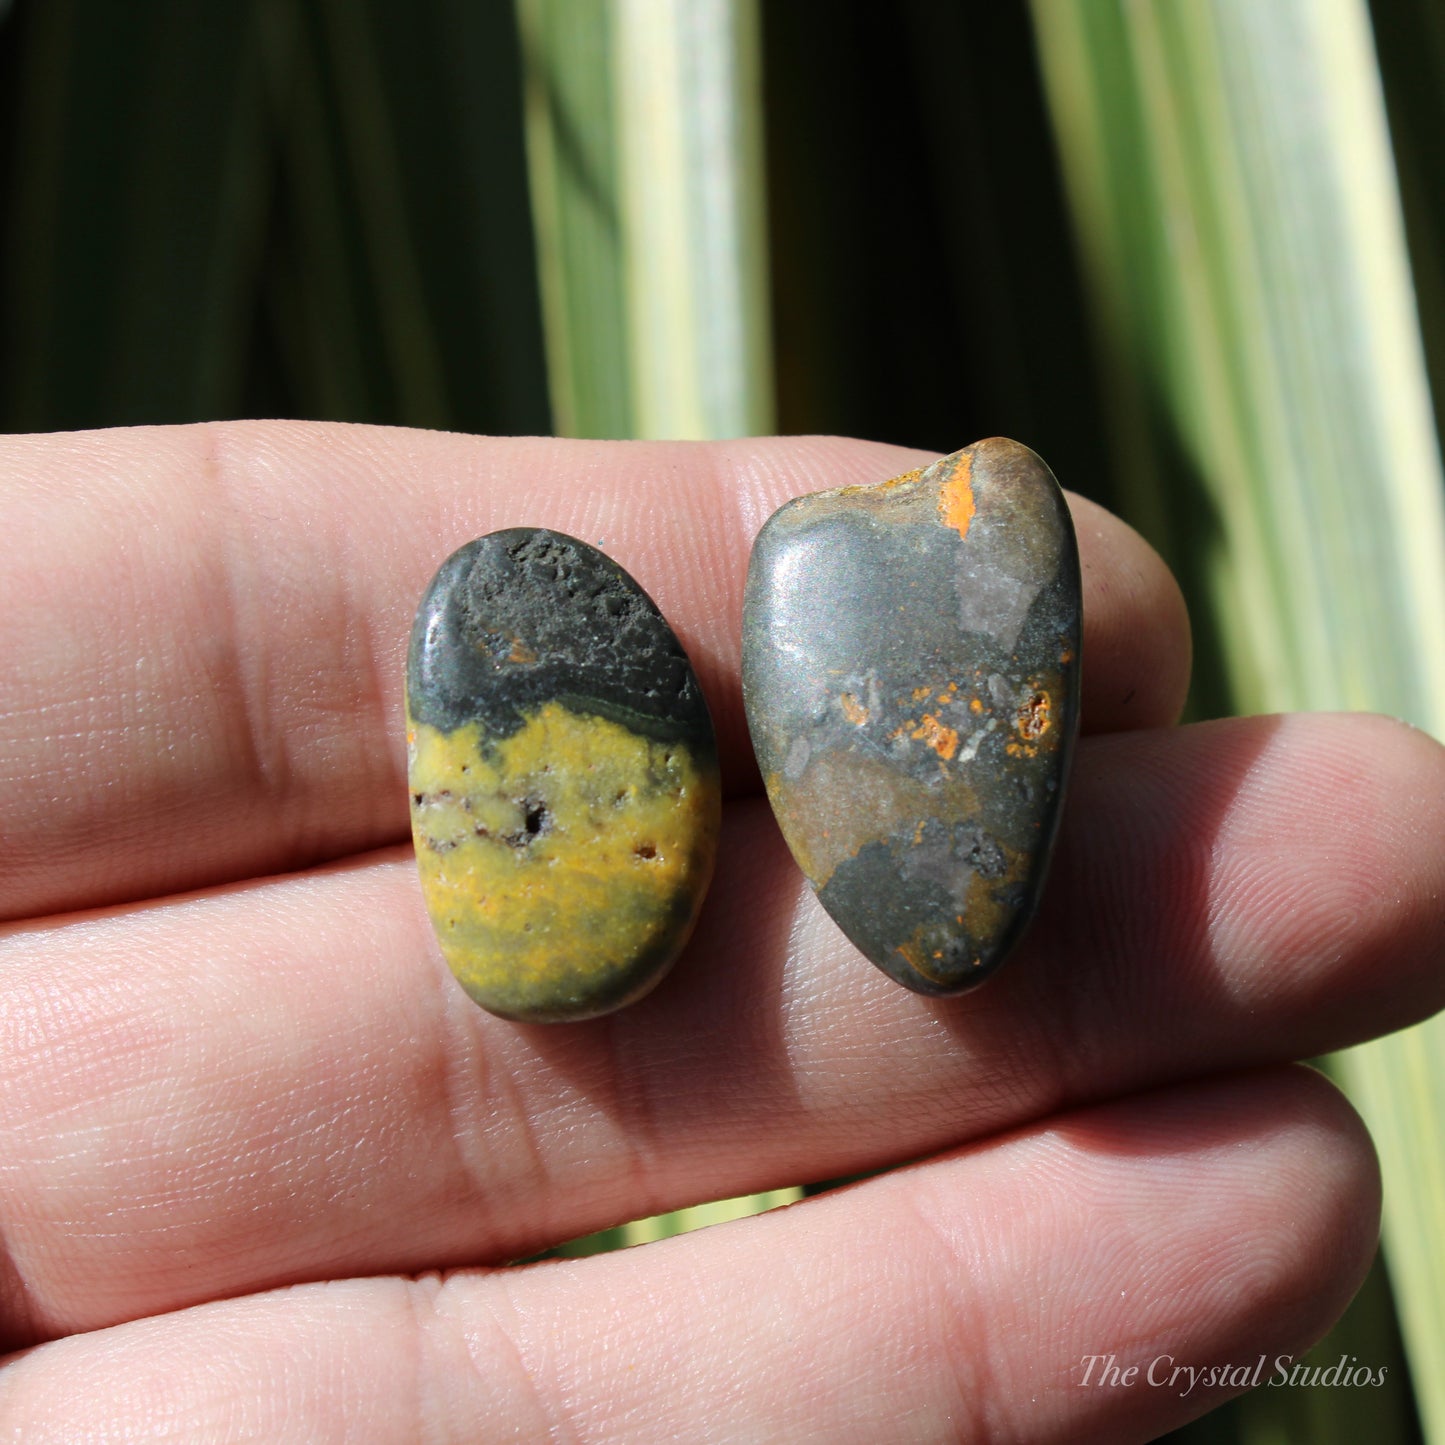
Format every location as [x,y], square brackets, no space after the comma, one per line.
[866,597]
[526,616]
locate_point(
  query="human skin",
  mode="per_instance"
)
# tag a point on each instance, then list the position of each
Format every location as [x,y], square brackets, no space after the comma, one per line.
[263,1163]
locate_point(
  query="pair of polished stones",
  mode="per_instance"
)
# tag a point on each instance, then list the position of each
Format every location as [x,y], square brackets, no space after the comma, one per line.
[911,681]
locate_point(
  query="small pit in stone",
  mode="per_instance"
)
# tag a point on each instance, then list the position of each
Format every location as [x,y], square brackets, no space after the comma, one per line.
[536,820]
[644,850]
[1033,717]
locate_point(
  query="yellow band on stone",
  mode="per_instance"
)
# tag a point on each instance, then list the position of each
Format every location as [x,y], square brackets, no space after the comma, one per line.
[563,862]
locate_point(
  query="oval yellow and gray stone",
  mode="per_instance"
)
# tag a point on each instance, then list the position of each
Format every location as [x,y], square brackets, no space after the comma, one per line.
[911,677]
[565,800]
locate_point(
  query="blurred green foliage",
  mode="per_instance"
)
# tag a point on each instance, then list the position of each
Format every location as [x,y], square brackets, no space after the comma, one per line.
[319,208]
[311,208]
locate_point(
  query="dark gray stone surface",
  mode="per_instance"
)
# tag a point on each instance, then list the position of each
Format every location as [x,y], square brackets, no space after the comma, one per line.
[526,615]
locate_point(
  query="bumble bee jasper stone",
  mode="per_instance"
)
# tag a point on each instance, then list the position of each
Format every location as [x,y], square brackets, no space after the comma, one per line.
[564,781]
[911,677]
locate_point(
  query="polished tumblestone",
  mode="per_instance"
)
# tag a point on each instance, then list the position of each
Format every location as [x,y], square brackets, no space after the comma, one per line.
[564,783]
[911,676]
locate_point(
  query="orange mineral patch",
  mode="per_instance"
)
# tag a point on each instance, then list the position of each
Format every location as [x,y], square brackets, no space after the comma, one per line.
[955,498]
[943,740]
[853,710]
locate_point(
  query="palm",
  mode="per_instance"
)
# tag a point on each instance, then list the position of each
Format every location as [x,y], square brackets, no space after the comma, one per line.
[272,1080]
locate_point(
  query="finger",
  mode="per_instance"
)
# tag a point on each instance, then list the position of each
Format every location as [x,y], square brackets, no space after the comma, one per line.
[1134,617]
[963,1299]
[203,629]
[282,1082]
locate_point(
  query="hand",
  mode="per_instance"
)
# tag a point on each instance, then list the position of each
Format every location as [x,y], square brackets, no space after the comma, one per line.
[249,1123]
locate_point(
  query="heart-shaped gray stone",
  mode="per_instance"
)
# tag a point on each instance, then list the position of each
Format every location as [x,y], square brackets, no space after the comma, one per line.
[911,676]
